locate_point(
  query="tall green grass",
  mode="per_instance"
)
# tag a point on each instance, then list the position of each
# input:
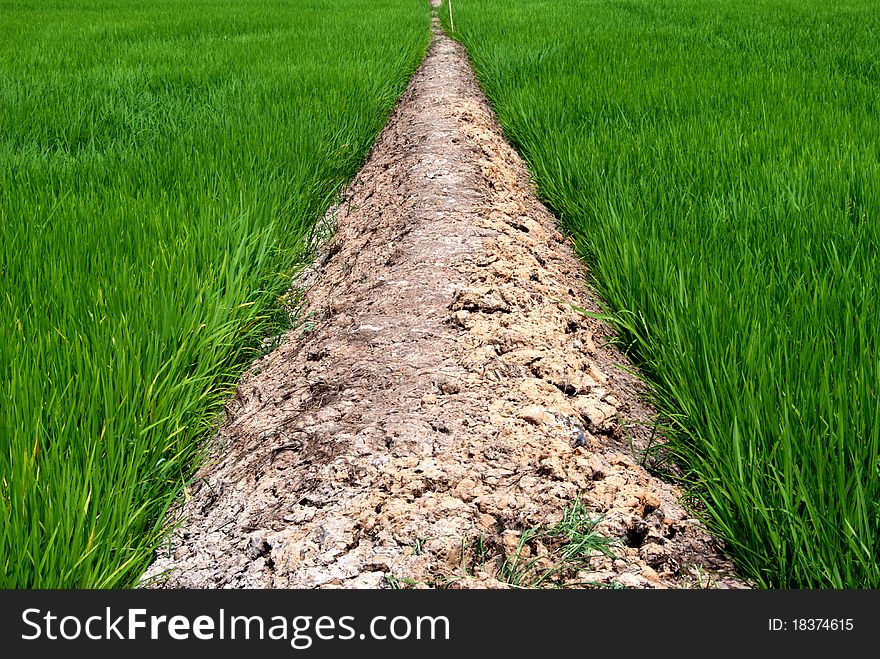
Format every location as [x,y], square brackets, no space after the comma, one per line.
[719,166]
[160,166]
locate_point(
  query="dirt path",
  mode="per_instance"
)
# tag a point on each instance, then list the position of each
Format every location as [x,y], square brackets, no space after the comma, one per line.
[442,396]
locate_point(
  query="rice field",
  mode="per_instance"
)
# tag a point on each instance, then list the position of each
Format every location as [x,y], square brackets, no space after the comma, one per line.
[718,165]
[161,167]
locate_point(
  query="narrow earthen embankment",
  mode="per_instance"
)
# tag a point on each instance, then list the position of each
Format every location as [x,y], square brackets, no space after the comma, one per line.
[441,395]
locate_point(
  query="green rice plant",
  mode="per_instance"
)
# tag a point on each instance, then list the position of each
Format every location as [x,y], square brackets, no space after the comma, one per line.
[161,166]
[718,165]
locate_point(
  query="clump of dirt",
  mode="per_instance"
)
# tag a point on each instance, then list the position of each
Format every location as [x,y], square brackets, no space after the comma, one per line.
[443,397]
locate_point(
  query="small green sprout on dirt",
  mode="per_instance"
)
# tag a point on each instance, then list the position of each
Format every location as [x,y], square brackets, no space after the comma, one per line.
[474,553]
[554,556]
[400,583]
[418,546]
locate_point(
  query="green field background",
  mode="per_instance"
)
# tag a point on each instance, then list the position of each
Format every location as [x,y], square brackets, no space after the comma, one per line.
[161,165]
